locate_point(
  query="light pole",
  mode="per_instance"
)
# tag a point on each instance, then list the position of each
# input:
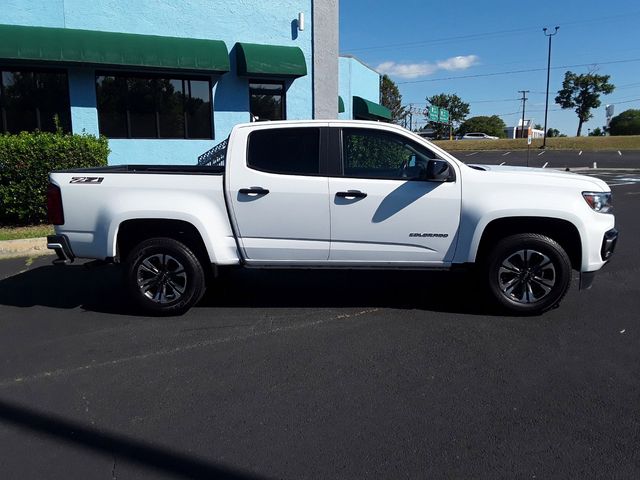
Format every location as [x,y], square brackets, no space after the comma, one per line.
[546,104]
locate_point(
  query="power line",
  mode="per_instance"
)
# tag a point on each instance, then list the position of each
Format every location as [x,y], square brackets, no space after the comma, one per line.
[474,36]
[511,72]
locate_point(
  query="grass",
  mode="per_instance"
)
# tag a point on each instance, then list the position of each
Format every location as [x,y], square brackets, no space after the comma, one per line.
[631,142]
[32,231]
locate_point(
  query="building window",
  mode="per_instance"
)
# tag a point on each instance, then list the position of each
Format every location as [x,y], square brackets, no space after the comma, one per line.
[32,100]
[267,101]
[154,106]
[288,151]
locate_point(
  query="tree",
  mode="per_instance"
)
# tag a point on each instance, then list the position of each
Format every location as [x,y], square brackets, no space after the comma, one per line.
[554,132]
[537,126]
[582,92]
[596,132]
[492,125]
[458,111]
[392,99]
[627,123]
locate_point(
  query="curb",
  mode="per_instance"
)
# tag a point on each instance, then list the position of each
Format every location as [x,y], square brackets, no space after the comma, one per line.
[27,247]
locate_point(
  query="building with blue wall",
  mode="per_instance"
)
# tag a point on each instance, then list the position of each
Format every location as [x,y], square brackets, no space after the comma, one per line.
[165,80]
[359,91]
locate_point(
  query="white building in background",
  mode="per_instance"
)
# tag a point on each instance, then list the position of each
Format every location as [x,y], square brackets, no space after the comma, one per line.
[516,132]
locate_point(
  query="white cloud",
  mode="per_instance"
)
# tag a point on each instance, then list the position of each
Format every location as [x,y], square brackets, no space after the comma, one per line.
[415,70]
[458,63]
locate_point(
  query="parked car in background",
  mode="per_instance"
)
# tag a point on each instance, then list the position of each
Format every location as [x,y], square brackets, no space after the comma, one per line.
[478,136]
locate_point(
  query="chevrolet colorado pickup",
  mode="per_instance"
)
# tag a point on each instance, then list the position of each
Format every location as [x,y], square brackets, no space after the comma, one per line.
[333,194]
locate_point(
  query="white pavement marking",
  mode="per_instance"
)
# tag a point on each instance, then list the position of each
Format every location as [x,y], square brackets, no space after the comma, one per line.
[542,152]
[580,153]
[474,153]
[505,154]
[7,382]
[502,164]
[619,152]
[620,184]
[545,165]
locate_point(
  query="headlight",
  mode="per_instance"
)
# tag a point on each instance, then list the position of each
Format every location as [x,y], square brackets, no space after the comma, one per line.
[599,201]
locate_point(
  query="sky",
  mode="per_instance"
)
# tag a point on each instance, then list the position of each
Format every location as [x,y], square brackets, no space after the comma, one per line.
[430,47]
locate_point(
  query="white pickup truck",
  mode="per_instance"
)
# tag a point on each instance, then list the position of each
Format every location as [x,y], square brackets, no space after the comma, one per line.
[333,194]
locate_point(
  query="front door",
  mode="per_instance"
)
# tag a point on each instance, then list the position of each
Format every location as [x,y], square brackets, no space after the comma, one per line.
[382,210]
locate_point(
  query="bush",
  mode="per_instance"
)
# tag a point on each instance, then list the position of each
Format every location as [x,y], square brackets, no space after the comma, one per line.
[25,162]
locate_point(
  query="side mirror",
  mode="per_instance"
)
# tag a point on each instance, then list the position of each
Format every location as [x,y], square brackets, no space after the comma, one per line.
[439,171]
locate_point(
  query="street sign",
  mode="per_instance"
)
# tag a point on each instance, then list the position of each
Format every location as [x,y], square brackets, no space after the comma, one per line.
[434,113]
[529,140]
[444,116]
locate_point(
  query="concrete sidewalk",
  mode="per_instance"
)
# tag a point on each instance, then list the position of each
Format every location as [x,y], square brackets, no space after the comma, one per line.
[27,247]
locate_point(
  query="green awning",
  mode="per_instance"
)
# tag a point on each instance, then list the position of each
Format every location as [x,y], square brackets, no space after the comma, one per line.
[369,110]
[340,104]
[87,47]
[270,61]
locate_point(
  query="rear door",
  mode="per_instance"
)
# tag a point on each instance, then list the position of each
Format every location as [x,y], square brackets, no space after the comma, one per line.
[279,194]
[383,211]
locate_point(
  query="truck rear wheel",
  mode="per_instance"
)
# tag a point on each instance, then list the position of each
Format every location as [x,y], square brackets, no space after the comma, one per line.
[164,277]
[528,273]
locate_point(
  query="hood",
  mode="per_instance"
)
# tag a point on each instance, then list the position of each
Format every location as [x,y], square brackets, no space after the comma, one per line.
[540,174]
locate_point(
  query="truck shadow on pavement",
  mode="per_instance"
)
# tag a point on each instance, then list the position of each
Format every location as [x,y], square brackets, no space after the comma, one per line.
[100,289]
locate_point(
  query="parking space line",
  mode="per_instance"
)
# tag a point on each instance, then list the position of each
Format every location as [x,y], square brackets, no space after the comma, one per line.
[580,153]
[474,153]
[619,153]
[502,164]
[542,152]
[505,154]
[545,165]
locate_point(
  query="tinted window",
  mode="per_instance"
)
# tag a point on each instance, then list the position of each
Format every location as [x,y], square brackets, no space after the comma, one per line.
[32,100]
[154,107]
[266,101]
[294,151]
[376,154]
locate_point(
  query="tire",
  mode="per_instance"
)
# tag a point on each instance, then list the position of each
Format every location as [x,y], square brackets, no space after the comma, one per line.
[164,277]
[528,273]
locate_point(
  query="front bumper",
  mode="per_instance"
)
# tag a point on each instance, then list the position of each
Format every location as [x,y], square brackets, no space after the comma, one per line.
[60,244]
[608,246]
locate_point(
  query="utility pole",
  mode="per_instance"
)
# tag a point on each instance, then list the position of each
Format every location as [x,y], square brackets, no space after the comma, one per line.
[524,101]
[546,104]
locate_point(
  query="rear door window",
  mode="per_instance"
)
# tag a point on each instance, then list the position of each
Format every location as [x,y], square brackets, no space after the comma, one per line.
[287,151]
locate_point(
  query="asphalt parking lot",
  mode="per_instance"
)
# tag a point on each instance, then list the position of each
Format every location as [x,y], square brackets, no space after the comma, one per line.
[300,374]
[553,158]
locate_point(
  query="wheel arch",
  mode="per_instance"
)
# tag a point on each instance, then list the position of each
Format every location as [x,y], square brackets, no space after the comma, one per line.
[133,231]
[562,231]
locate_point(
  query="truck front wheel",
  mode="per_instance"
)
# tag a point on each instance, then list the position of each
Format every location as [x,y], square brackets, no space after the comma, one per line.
[164,277]
[528,273]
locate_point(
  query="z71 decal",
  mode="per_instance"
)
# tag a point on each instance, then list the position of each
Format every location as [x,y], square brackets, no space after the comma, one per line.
[86,180]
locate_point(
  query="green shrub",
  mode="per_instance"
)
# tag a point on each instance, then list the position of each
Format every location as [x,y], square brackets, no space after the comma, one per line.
[25,162]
